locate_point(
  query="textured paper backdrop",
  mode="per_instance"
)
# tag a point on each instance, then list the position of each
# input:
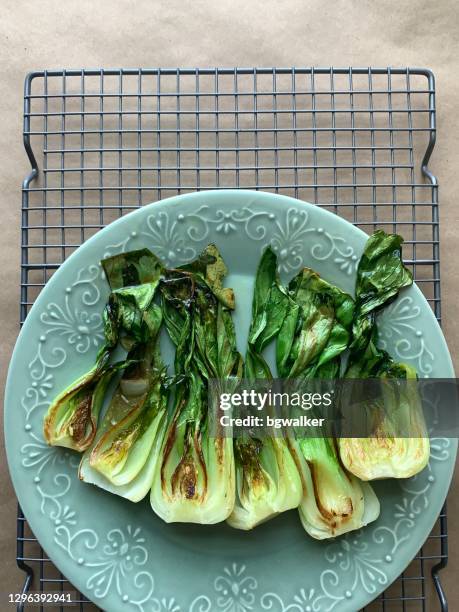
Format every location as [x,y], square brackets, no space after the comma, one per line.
[149,33]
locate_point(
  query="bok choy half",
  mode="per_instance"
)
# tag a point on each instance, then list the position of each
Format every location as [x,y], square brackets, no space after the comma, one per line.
[122,456]
[71,420]
[310,343]
[194,478]
[267,480]
[381,275]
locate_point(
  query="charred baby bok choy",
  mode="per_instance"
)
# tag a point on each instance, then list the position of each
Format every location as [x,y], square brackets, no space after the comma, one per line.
[381,275]
[310,343]
[194,478]
[71,420]
[122,456]
[267,480]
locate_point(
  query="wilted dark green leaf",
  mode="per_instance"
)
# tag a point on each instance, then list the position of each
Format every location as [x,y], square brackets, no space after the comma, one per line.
[380,276]
[316,330]
[132,268]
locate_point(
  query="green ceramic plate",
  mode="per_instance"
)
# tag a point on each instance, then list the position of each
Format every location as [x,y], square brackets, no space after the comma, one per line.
[120,554]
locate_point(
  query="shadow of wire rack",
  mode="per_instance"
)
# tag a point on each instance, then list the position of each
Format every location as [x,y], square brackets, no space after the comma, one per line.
[355,141]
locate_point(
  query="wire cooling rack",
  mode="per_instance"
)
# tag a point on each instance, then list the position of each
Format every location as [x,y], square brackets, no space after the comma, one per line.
[355,141]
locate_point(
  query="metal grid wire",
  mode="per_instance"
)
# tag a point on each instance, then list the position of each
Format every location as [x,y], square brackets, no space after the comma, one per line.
[354,141]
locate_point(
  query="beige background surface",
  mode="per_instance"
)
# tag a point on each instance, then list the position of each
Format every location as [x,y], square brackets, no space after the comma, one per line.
[115,33]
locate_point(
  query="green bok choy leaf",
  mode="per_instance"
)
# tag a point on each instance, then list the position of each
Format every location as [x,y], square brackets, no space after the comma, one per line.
[310,345]
[194,478]
[381,275]
[71,419]
[267,480]
[122,456]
